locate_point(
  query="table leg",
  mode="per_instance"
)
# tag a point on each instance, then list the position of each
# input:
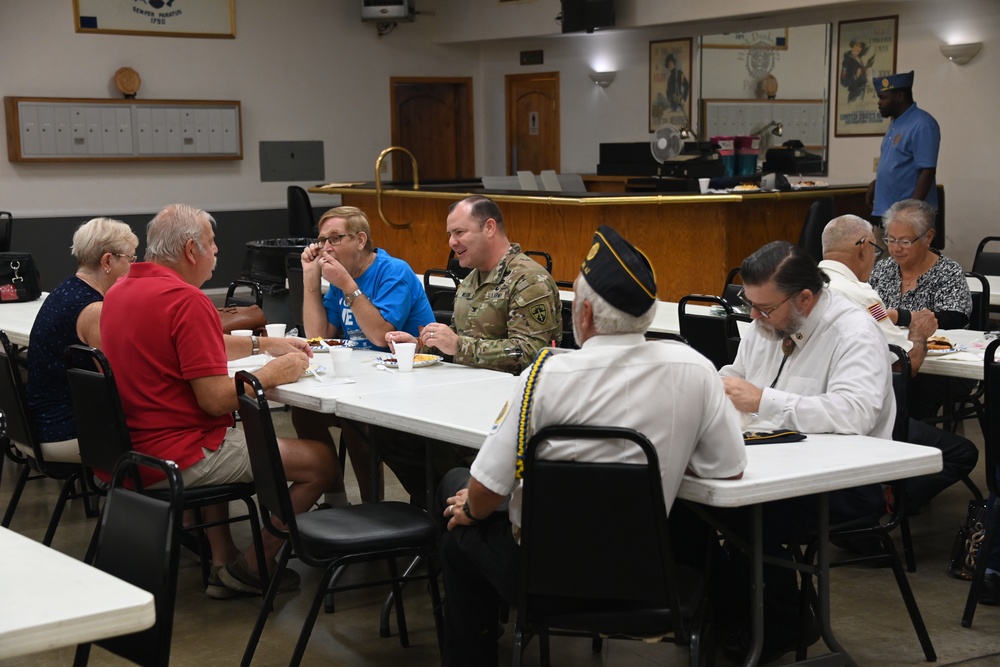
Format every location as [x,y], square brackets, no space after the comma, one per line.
[823,581]
[756,589]
[374,433]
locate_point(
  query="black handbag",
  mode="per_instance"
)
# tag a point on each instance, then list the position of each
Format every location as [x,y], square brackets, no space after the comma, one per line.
[965,549]
[18,278]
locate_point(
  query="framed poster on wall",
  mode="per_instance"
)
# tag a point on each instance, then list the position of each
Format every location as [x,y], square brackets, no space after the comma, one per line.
[669,83]
[866,49]
[164,18]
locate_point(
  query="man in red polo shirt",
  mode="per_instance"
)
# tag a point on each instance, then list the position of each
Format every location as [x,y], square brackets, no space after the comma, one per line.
[164,339]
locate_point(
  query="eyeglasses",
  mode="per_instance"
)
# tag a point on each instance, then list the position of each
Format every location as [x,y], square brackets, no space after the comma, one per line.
[332,240]
[878,249]
[131,258]
[766,314]
[902,243]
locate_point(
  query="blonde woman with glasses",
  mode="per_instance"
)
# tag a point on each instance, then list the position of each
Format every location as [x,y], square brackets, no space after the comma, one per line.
[71,315]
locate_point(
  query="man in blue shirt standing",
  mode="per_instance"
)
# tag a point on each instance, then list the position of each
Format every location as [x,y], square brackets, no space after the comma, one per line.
[908,160]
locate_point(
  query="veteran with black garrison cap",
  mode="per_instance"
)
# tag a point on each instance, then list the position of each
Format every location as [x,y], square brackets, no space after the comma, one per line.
[662,389]
[619,272]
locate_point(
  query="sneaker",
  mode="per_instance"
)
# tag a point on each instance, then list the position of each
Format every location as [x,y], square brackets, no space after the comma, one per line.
[216,589]
[238,577]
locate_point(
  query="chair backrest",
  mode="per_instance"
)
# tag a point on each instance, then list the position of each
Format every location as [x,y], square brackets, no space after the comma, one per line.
[265,458]
[13,401]
[542,257]
[987,262]
[139,542]
[572,183]
[731,290]
[991,392]
[708,334]
[244,292]
[811,239]
[900,389]
[621,558]
[441,297]
[733,342]
[101,429]
[296,292]
[301,221]
[938,241]
[979,319]
[6,230]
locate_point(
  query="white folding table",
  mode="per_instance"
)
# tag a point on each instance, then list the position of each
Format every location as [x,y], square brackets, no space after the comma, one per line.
[51,600]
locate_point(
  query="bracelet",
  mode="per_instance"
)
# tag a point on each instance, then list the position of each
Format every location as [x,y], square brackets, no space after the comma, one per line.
[468,512]
[254,345]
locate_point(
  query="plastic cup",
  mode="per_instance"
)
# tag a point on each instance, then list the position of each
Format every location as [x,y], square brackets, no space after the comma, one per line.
[344,362]
[275,330]
[404,356]
[703,184]
[241,332]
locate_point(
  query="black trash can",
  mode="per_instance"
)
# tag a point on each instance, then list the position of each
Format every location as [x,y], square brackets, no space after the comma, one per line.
[265,263]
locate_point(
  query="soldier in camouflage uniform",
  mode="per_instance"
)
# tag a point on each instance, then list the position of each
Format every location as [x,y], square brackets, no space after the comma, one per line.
[506,310]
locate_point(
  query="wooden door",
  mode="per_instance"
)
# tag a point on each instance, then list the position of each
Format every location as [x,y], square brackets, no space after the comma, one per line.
[532,122]
[432,118]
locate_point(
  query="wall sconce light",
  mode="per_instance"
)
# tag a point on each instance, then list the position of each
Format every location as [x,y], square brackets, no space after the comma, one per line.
[602,79]
[961,53]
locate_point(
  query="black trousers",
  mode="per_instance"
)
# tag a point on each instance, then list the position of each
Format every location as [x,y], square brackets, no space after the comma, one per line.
[479,568]
[958,457]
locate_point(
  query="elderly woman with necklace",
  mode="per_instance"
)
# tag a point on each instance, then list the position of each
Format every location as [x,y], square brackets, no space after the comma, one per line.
[915,277]
[71,315]
[371,294]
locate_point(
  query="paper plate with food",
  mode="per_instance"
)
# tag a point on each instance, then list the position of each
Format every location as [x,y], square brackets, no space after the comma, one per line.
[419,360]
[810,185]
[938,345]
[317,343]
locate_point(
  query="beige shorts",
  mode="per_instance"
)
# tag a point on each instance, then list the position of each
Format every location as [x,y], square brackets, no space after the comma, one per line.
[229,464]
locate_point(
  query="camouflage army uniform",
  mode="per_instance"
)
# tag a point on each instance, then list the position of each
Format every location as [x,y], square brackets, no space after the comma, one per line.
[506,317]
[503,320]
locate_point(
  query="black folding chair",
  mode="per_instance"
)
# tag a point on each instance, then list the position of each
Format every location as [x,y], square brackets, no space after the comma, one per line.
[17,430]
[330,538]
[140,543]
[441,297]
[991,439]
[243,292]
[709,334]
[104,437]
[617,579]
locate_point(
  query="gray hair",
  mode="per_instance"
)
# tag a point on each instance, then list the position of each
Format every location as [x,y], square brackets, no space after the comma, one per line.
[98,236]
[608,319]
[840,234]
[170,230]
[918,214]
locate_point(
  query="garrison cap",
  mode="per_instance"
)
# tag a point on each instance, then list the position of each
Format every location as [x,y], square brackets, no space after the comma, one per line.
[893,81]
[619,273]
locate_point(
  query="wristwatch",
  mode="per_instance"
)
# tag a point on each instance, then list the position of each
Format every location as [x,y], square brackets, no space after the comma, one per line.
[349,298]
[468,512]
[254,345]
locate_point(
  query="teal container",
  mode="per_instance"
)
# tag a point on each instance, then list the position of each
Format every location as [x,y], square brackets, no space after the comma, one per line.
[746,162]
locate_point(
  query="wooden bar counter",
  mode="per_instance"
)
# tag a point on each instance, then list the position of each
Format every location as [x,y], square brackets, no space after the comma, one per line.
[692,240]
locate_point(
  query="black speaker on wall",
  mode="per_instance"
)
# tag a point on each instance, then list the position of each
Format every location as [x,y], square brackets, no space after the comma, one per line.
[587,15]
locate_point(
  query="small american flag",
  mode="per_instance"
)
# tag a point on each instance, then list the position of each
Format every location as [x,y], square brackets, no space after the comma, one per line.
[878,312]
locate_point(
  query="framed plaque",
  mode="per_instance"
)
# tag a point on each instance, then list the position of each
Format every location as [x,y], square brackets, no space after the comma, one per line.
[164,18]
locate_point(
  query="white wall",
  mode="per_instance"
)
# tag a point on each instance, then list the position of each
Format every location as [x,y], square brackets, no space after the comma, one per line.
[309,69]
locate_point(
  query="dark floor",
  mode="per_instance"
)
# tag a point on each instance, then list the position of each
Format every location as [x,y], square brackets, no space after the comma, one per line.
[868,616]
